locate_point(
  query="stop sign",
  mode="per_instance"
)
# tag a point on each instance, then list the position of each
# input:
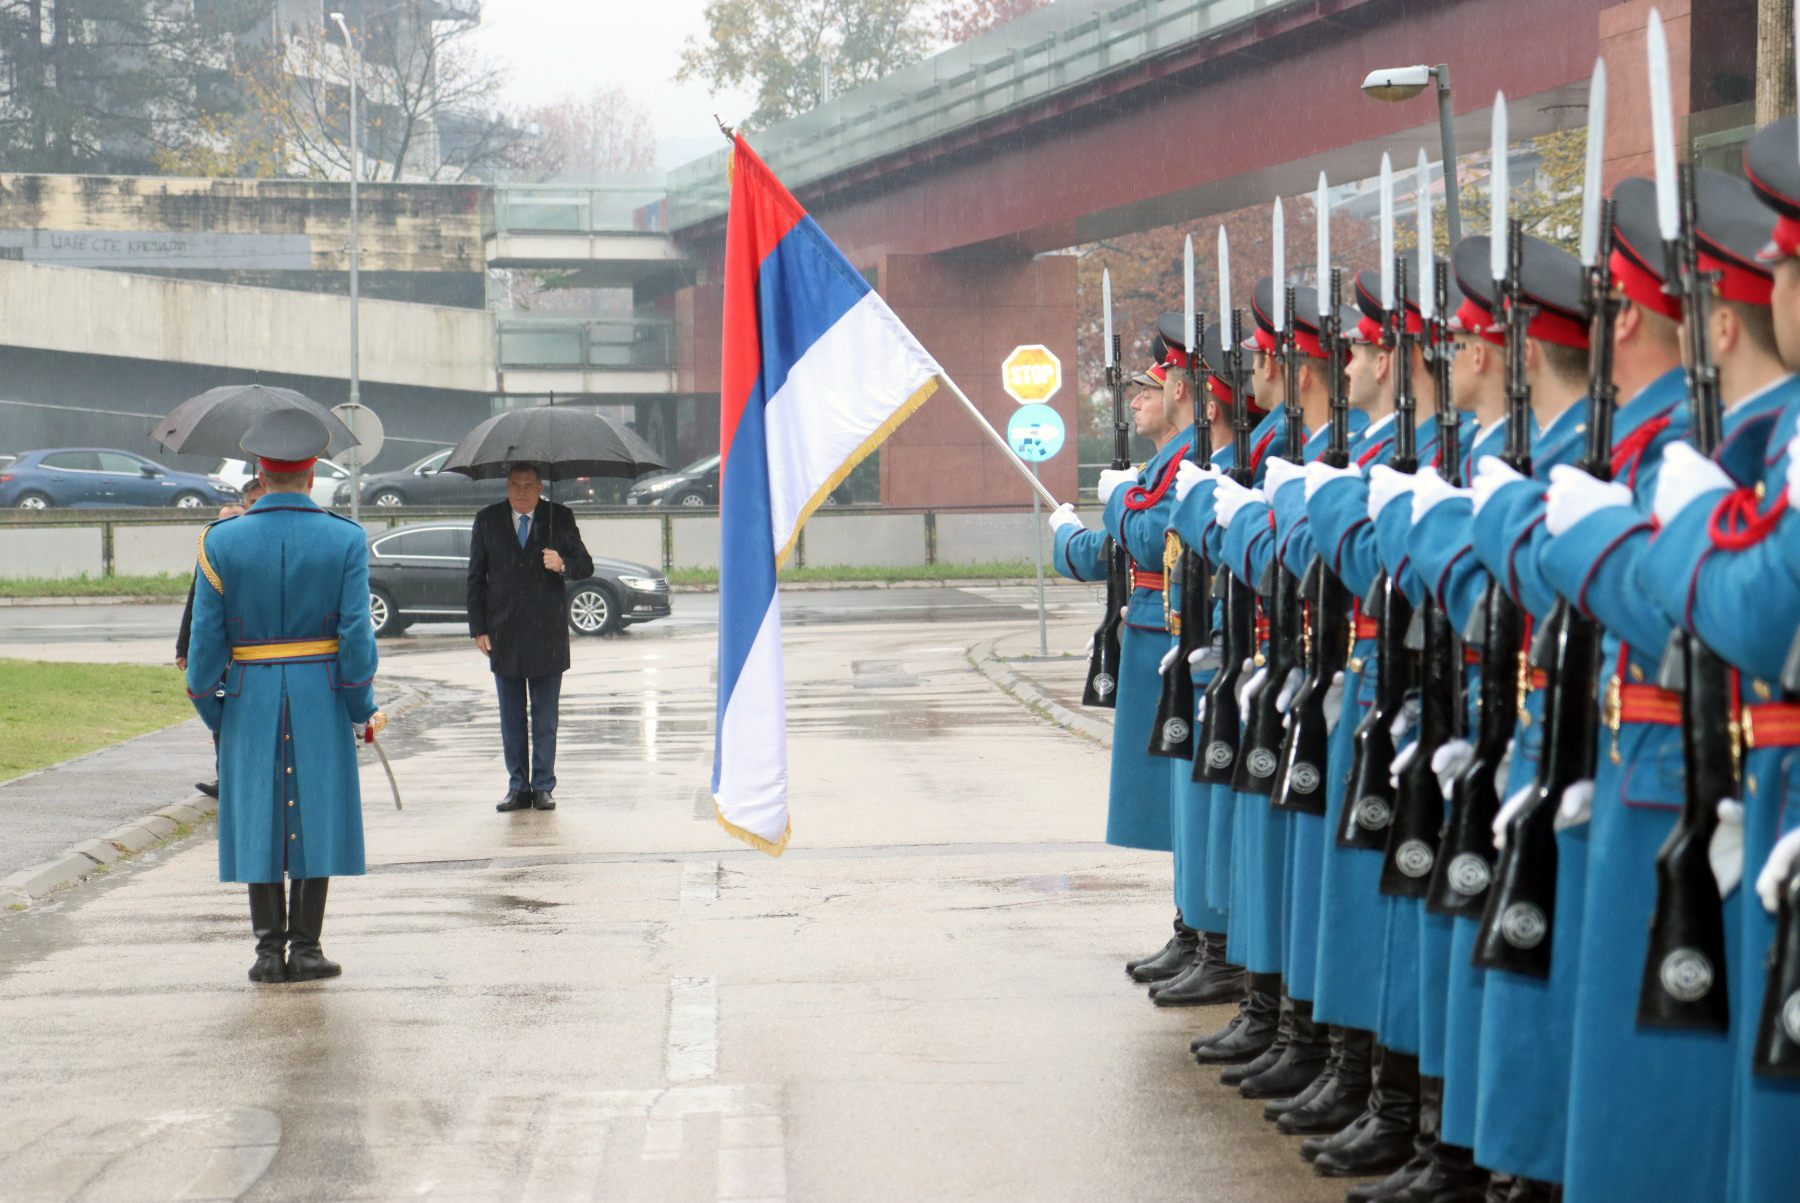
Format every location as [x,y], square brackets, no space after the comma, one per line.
[1031,374]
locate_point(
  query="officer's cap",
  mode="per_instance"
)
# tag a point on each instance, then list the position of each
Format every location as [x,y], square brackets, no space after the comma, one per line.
[1772,161]
[1305,315]
[1637,258]
[1733,230]
[287,440]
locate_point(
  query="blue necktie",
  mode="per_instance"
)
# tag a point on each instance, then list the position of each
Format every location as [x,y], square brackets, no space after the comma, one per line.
[524,528]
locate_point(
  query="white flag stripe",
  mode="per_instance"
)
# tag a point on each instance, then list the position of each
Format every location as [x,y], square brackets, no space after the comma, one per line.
[849,388]
[753,738]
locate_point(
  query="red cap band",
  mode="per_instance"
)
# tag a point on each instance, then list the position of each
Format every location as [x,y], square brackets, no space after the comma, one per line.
[1370,331]
[1264,340]
[1174,357]
[1737,282]
[1158,372]
[1477,320]
[1641,287]
[1785,241]
[1556,328]
[285,465]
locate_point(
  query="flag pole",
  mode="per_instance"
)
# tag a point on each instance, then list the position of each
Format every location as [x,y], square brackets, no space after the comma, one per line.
[1000,442]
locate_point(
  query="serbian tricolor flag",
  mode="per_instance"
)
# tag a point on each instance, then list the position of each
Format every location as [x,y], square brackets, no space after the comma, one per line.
[817,370]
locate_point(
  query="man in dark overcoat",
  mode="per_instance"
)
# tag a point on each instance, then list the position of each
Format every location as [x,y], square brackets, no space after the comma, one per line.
[521,553]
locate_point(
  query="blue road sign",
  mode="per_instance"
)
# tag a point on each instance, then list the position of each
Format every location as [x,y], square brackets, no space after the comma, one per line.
[1035,432]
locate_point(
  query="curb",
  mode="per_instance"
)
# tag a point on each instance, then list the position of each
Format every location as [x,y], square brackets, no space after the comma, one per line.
[75,864]
[949,582]
[122,599]
[983,660]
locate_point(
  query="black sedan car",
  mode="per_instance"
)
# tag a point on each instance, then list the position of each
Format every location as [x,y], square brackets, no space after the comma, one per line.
[424,482]
[420,573]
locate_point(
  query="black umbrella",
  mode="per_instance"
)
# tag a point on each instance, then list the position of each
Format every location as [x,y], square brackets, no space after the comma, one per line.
[562,442]
[214,422]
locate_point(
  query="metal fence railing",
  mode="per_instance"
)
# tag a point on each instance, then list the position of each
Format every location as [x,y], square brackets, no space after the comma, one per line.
[587,344]
[628,204]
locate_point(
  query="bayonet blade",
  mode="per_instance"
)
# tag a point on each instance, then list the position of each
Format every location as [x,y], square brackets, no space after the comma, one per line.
[1662,131]
[1187,298]
[1322,219]
[1427,293]
[1225,332]
[1106,310]
[1596,149]
[1280,268]
[1498,191]
[1387,232]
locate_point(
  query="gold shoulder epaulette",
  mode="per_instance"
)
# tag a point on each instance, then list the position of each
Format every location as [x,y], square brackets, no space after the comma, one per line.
[206,568]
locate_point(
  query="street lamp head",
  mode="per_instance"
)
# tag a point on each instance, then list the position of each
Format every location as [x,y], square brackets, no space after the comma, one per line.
[1397,83]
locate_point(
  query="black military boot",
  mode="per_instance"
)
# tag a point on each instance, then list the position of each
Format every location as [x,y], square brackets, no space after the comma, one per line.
[1300,1063]
[1232,1025]
[268,919]
[306,918]
[1385,1142]
[1343,1098]
[1208,982]
[1255,1029]
[1447,1173]
[1284,1031]
[1170,960]
[1532,1190]
[1275,1108]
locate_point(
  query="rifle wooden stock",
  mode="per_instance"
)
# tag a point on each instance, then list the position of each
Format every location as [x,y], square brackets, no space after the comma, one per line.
[1777,1049]
[1325,646]
[1102,685]
[1369,795]
[1412,837]
[1216,746]
[1260,748]
[1172,734]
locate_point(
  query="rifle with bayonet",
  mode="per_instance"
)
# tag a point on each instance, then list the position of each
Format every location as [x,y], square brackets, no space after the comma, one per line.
[1326,640]
[1684,981]
[1102,686]
[1184,567]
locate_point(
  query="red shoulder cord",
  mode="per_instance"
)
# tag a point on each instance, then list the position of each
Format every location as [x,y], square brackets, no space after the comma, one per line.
[1628,452]
[1262,448]
[1137,497]
[1735,523]
[1362,461]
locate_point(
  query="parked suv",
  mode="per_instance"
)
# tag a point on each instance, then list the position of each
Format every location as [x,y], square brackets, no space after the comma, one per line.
[424,482]
[420,573]
[98,476]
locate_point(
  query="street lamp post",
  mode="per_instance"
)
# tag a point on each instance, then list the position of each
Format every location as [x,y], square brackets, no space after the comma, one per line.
[355,241]
[1404,83]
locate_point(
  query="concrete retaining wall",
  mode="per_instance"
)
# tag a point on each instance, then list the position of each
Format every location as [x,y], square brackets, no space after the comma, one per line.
[51,552]
[636,539]
[148,550]
[985,539]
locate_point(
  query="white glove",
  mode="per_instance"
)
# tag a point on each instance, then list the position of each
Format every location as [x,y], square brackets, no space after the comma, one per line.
[1162,670]
[1511,807]
[1111,479]
[1280,472]
[1249,687]
[1491,475]
[1063,515]
[1318,474]
[1574,495]
[1385,484]
[1779,868]
[1576,806]
[1450,761]
[1334,701]
[1201,659]
[1685,475]
[1289,688]
[1793,475]
[1407,755]
[1189,476]
[1400,725]
[1726,851]
[1229,499]
[1429,488]
[1089,649]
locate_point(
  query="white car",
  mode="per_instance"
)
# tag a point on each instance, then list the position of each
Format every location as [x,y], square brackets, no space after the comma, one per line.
[327,476]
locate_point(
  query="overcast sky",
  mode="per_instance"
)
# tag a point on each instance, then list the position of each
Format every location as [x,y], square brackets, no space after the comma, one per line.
[558,47]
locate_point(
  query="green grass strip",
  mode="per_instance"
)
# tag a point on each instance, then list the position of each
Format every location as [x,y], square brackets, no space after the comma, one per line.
[50,711]
[167,584]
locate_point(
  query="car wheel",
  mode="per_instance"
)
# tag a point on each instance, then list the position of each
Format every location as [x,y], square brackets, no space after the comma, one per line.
[690,499]
[382,614]
[387,499]
[32,501]
[188,501]
[592,611]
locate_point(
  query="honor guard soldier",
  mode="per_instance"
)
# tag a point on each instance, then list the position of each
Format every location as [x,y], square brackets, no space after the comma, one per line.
[1138,797]
[281,622]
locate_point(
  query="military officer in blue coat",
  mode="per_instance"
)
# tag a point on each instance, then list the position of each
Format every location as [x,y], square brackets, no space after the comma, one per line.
[281,625]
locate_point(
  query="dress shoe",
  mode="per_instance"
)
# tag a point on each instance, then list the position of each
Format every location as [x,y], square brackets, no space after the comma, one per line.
[1255,1030]
[209,788]
[1301,1062]
[1386,1140]
[1341,1099]
[518,799]
[543,799]
[268,919]
[306,918]
[1169,961]
[1209,981]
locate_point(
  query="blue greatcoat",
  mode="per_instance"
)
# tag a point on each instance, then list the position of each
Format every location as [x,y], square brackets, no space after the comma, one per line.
[285,571]
[1138,800]
[1351,910]
[1630,1085]
[1743,605]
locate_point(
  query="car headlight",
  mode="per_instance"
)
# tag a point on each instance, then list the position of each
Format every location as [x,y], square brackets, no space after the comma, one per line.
[643,584]
[661,486]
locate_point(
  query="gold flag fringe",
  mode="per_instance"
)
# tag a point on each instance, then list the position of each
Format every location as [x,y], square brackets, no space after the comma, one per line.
[750,837]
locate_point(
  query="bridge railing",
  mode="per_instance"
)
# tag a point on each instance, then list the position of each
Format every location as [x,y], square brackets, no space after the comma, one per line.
[633,204]
[1027,60]
[584,343]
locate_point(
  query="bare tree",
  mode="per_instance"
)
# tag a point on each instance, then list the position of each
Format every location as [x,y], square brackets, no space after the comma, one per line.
[959,20]
[602,131]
